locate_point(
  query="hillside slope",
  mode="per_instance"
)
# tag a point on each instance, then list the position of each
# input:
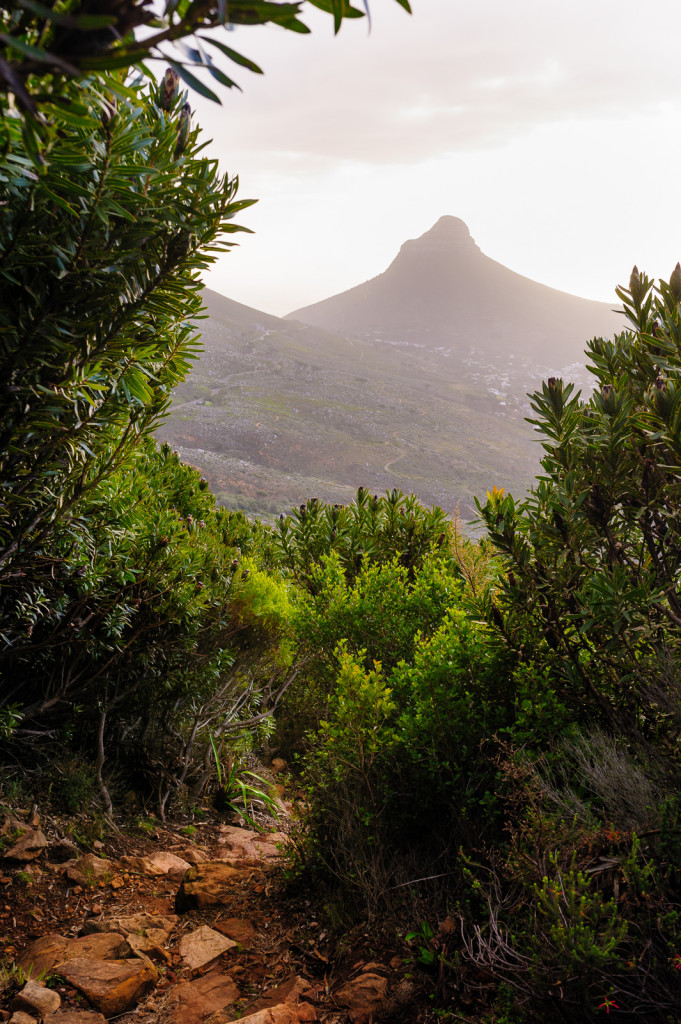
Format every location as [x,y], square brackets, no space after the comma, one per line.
[276,411]
[416,380]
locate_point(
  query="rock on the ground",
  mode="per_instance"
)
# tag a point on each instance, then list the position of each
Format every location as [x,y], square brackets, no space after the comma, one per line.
[111,986]
[89,870]
[21,1018]
[193,854]
[284,1013]
[289,991]
[75,1017]
[246,845]
[161,863]
[363,996]
[237,928]
[146,934]
[192,1001]
[28,847]
[206,885]
[203,945]
[51,951]
[36,999]
[399,1001]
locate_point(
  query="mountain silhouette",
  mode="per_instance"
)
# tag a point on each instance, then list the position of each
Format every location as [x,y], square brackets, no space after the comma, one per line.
[441,290]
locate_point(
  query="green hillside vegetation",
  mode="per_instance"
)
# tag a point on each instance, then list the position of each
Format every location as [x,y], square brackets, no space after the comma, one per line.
[276,411]
[487,732]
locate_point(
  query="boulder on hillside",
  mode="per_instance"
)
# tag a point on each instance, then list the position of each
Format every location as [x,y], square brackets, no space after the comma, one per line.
[206,885]
[283,1013]
[111,986]
[203,945]
[29,846]
[146,934]
[36,999]
[51,952]
[193,855]
[242,844]
[292,990]
[156,926]
[74,1017]
[89,870]
[238,928]
[363,996]
[161,863]
[192,1001]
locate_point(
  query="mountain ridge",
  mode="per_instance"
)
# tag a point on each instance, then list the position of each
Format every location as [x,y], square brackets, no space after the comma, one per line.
[277,409]
[441,289]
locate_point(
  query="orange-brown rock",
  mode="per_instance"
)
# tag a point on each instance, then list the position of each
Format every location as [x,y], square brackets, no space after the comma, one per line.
[193,1001]
[36,999]
[20,1017]
[161,863]
[194,855]
[75,1017]
[206,885]
[242,844]
[363,996]
[202,945]
[90,869]
[283,1013]
[111,986]
[51,951]
[155,927]
[289,991]
[237,928]
[29,846]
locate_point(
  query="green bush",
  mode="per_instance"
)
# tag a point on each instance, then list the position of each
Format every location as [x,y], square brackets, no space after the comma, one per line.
[592,556]
[400,771]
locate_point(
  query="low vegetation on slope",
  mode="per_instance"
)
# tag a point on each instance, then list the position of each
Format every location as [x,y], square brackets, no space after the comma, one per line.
[487,732]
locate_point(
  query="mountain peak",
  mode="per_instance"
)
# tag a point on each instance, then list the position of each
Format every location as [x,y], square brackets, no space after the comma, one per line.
[448,233]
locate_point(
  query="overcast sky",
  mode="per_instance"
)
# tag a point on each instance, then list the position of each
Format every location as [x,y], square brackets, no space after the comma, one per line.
[553,129]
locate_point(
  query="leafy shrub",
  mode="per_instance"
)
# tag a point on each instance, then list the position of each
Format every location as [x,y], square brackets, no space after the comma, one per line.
[592,556]
[373,528]
[400,770]
[580,920]
[155,618]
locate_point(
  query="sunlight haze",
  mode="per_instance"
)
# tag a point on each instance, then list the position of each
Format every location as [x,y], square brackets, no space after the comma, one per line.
[551,129]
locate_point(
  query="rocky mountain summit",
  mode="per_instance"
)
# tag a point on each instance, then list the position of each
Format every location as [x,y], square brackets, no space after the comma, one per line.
[417,379]
[441,290]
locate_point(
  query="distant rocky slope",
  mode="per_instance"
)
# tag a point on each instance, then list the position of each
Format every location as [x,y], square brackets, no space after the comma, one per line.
[416,379]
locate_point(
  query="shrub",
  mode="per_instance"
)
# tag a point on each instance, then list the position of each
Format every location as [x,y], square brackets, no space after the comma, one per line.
[400,771]
[592,556]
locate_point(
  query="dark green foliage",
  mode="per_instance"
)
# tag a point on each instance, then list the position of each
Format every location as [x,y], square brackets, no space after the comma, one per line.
[133,612]
[373,528]
[593,554]
[410,691]
[378,544]
[98,282]
[149,616]
[581,919]
[583,903]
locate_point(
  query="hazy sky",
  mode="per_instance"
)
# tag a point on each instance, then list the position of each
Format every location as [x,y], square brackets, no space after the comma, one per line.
[553,129]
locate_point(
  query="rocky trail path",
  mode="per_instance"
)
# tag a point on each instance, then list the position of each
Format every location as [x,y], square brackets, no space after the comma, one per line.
[165,929]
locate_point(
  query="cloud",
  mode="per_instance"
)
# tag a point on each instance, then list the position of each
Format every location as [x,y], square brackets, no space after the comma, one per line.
[449,79]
